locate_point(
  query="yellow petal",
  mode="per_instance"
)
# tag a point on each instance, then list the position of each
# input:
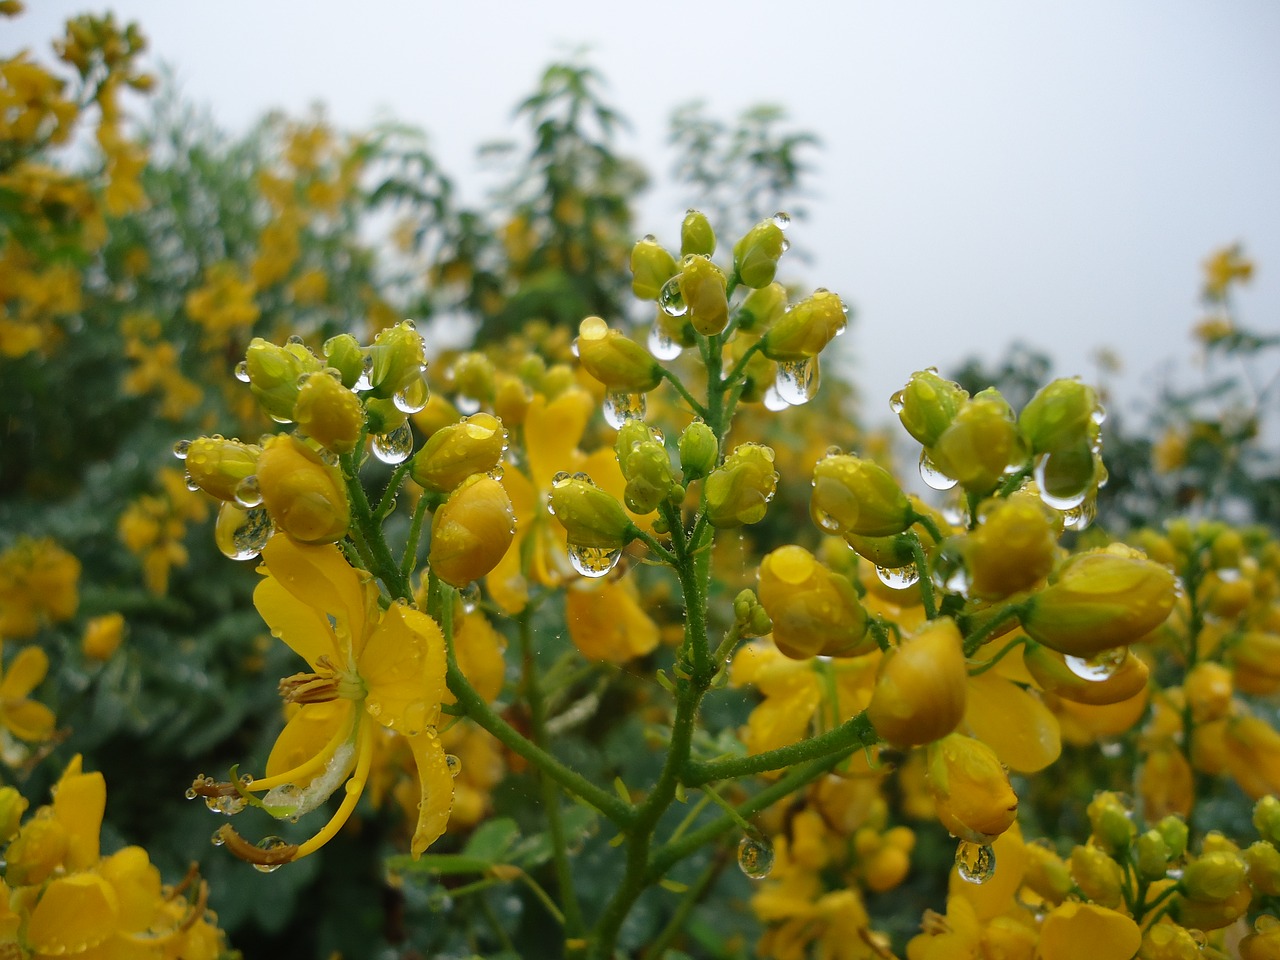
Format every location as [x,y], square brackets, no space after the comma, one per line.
[320,577]
[1074,930]
[136,882]
[305,629]
[403,667]
[25,673]
[606,621]
[78,802]
[435,782]
[478,647]
[781,721]
[1014,723]
[28,720]
[305,735]
[74,914]
[995,896]
[552,431]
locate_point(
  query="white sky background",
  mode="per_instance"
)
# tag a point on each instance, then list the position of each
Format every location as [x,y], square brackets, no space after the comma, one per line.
[992,170]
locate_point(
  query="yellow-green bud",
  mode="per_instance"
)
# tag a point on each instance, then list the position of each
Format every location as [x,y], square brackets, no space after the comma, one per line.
[383,416]
[1262,944]
[343,353]
[651,267]
[1097,875]
[275,374]
[12,806]
[398,360]
[1060,416]
[887,552]
[459,450]
[739,490]
[617,362]
[1266,819]
[1226,549]
[1174,830]
[852,495]
[814,612]
[1047,873]
[1113,830]
[472,375]
[305,497]
[805,330]
[631,434]
[698,450]
[676,329]
[471,531]
[696,235]
[1099,600]
[1012,549]
[703,286]
[756,255]
[972,795]
[927,405]
[329,413]
[1168,941]
[1263,861]
[762,308]
[1117,681]
[1151,855]
[649,477]
[217,465]
[590,516]
[1213,877]
[980,444]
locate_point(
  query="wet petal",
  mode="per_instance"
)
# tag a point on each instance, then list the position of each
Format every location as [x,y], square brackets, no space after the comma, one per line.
[306,630]
[1014,723]
[306,734]
[78,802]
[606,621]
[436,790]
[320,577]
[25,673]
[1085,930]
[552,431]
[74,914]
[403,667]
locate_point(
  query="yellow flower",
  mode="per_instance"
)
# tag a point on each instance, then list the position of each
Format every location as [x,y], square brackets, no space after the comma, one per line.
[921,688]
[102,636]
[303,494]
[607,621]
[37,585]
[471,531]
[971,790]
[1073,930]
[814,611]
[26,719]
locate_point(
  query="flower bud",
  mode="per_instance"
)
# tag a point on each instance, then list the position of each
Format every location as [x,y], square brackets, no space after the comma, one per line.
[805,330]
[1011,550]
[651,267]
[1252,753]
[1151,855]
[511,399]
[472,375]
[590,516]
[383,416]
[305,497]
[398,360]
[762,308]
[1213,877]
[617,362]
[329,413]
[1263,861]
[1109,818]
[814,612]
[217,465]
[739,490]
[980,444]
[1098,600]
[1174,830]
[275,373]
[920,689]
[1226,549]
[1262,944]
[696,235]
[457,451]
[1208,689]
[631,434]
[471,531]
[927,405]
[1111,680]
[12,806]
[1097,875]
[1047,873]
[649,477]
[1165,783]
[343,353]
[1256,659]
[1266,819]
[698,450]
[1060,416]
[1167,941]
[852,495]
[971,791]
[1074,929]
[102,636]
[756,255]
[703,286]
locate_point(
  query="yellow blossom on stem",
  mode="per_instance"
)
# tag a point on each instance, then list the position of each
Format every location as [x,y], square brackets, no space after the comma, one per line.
[971,790]
[920,691]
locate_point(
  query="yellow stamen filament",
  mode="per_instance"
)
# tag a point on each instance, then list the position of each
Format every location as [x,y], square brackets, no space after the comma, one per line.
[355,787]
[312,765]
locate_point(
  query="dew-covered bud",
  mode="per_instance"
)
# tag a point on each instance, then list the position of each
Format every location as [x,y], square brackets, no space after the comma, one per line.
[927,405]
[920,690]
[1168,941]
[36,852]
[703,288]
[1251,748]
[698,450]
[756,255]
[651,267]
[1266,819]
[329,413]
[696,235]
[1097,875]
[617,362]
[1011,550]
[1151,855]
[12,806]
[1115,675]
[590,516]
[1208,689]
[383,416]
[1213,877]
[971,792]
[762,309]
[471,531]
[398,360]
[1113,827]
[472,375]
[980,444]
[1262,944]
[739,490]
[1060,416]
[217,465]
[1175,832]
[457,451]
[814,612]
[275,374]
[1099,600]
[343,353]
[805,330]
[856,496]
[305,496]
[649,477]
[631,434]
[1263,861]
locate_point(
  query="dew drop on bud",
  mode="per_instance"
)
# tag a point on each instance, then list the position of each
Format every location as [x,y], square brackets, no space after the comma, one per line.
[269,843]
[797,380]
[620,407]
[413,397]
[242,371]
[1057,500]
[755,857]
[470,597]
[1080,517]
[454,764]
[248,493]
[1099,667]
[191,793]
[782,219]
[394,447]
[975,862]
[898,578]
[661,346]
[931,475]
[241,534]
[671,300]
[191,483]
[593,562]
[181,448]
[365,380]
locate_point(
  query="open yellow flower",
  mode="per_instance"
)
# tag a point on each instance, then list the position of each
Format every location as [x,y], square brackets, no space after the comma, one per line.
[26,719]
[366,665]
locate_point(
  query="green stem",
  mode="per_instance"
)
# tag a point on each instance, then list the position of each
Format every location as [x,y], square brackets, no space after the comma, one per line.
[986,665]
[979,636]
[688,398]
[680,918]
[924,579]
[388,501]
[410,558]
[855,732]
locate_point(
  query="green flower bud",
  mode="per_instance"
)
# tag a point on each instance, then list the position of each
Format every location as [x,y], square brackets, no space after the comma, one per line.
[383,416]
[698,450]
[217,465]
[1213,877]
[703,286]
[1151,855]
[344,354]
[739,490]
[457,451]
[1097,875]
[472,375]
[1263,861]
[927,405]
[804,330]
[980,444]
[651,267]
[274,375]
[649,477]
[590,516]
[1113,830]
[756,255]
[631,434]
[1061,415]
[676,329]
[1174,830]
[329,413]
[852,495]
[398,360]
[1047,873]
[12,806]
[762,308]
[619,363]
[696,235]
[1266,819]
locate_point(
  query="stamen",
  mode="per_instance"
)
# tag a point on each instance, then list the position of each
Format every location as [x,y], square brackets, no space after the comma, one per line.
[246,851]
[309,688]
[355,787]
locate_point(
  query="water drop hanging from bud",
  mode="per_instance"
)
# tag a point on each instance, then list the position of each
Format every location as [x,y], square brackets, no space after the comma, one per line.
[1101,666]
[593,562]
[1058,501]
[242,371]
[394,447]
[975,862]
[755,857]
[671,300]
[931,475]
[775,401]
[782,219]
[413,397]
[898,578]
[181,448]
[619,407]
[662,346]
[796,381]
[228,806]
[241,534]
[248,493]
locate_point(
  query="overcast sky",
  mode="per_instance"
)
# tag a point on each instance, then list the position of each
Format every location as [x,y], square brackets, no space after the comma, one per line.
[991,171]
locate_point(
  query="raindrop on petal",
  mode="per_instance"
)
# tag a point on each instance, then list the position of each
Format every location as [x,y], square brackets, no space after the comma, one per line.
[931,475]
[1099,667]
[671,300]
[241,534]
[413,397]
[248,493]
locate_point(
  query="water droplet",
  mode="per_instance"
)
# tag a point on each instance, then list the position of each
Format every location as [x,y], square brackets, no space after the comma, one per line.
[288,796]
[269,843]
[898,578]
[823,520]
[896,402]
[249,493]
[365,380]
[621,407]
[413,397]
[1101,666]
[1099,415]
[755,857]
[181,448]
[593,562]
[191,482]
[228,806]
[191,793]
[1079,518]
[241,534]
[295,341]
[931,475]
[975,862]
[797,380]
[661,346]
[394,447]
[454,765]
[782,219]
[217,840]
[466,405]
[242,371]
[775,401]
[671,300]
[561,476]
[470,597]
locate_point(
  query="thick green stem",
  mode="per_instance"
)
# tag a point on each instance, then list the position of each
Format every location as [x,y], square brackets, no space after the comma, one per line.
[855,732]
[923,578]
